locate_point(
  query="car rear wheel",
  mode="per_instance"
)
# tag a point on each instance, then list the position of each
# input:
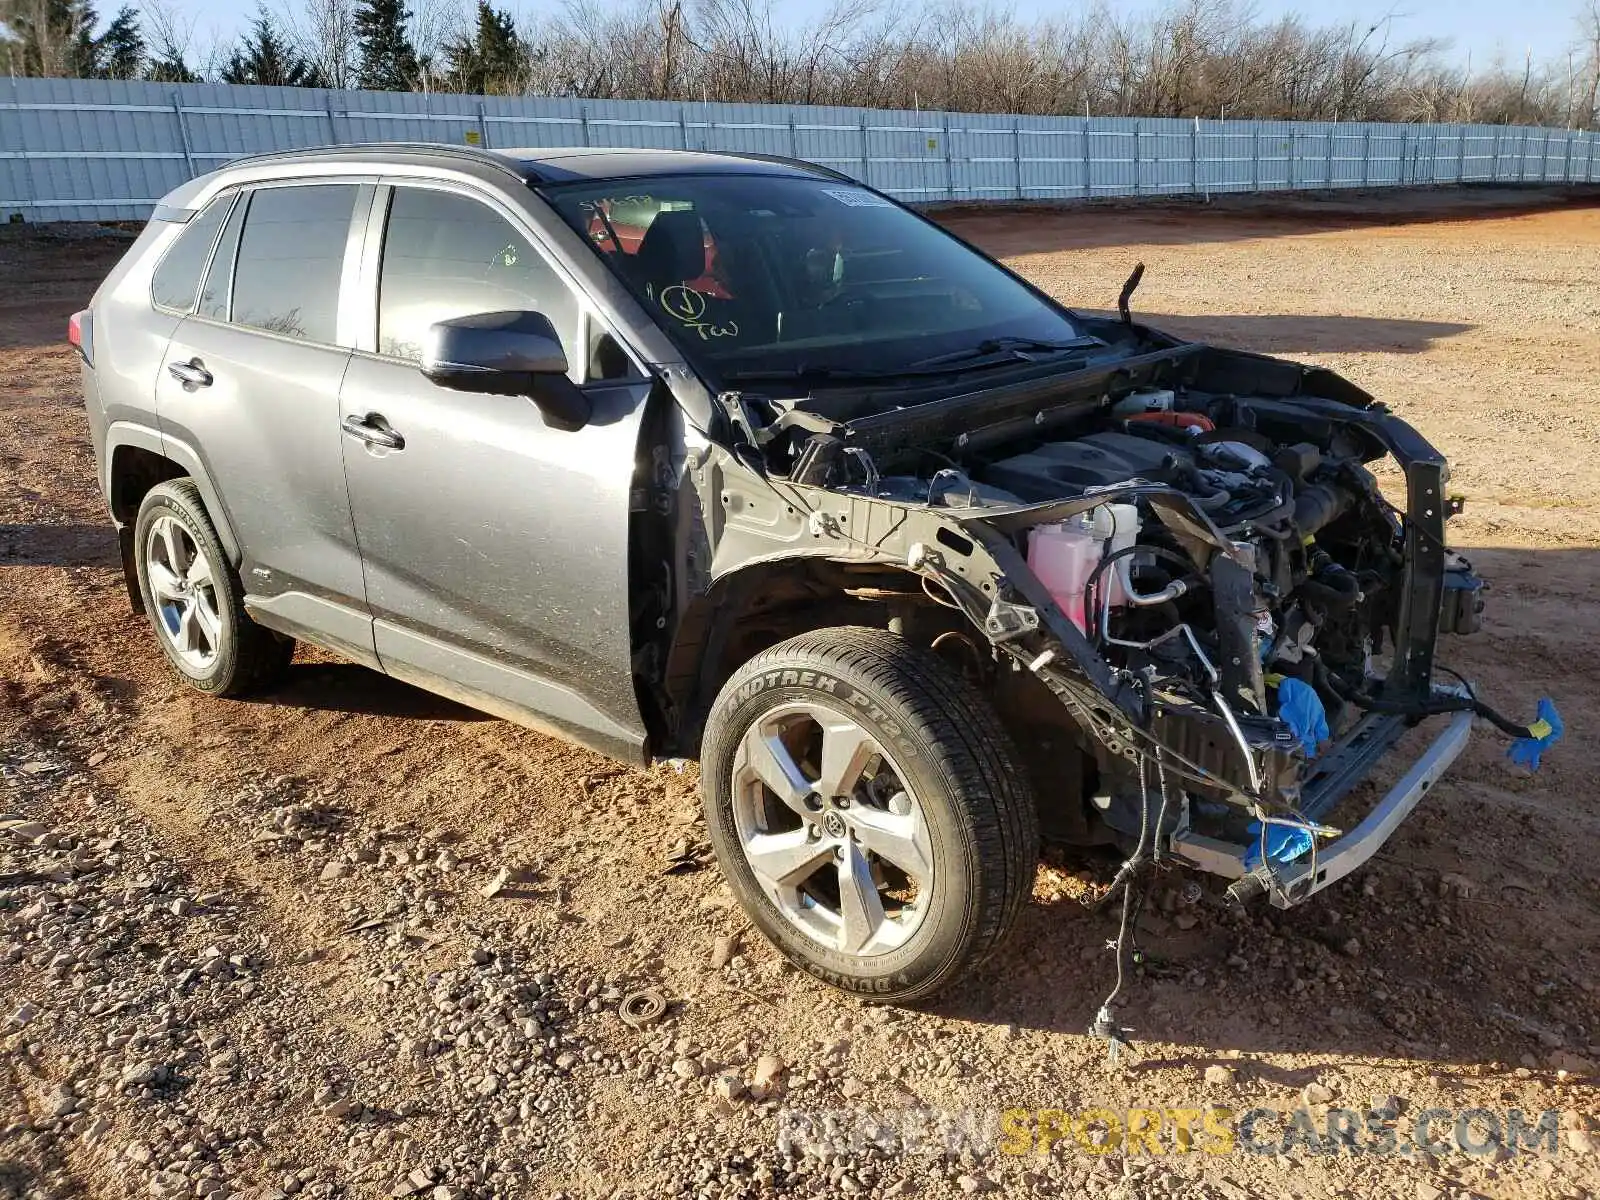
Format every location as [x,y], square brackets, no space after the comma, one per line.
[868,810]
[194,599]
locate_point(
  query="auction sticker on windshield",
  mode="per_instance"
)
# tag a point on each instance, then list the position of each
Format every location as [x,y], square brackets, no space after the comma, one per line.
[858,199]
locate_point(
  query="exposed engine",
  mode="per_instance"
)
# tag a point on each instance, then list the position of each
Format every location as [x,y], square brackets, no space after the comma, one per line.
[1174,563]
[1169,569]
[1311,589]
[1305,592]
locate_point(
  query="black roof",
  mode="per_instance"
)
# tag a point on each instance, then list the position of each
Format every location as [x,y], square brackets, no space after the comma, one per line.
[563,164]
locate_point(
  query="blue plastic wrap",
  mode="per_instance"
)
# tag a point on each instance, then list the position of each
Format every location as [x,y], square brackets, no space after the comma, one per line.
[1526,751]
[1284,844]
[1300,708]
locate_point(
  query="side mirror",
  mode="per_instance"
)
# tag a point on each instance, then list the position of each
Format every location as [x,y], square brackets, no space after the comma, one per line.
[506,354]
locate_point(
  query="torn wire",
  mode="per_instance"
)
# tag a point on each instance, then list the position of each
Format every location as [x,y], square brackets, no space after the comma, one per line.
[1105,1026]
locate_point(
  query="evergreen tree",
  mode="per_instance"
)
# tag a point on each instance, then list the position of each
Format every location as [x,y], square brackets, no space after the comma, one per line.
[171,69]
[82,59]
[263,56]
[490,60]
[388,59]
[120,51]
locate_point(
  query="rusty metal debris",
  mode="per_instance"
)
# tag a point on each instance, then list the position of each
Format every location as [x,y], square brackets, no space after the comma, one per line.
[641,1008]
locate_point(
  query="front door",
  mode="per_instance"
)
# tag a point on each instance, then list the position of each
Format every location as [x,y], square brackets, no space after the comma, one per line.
[495,548]
[250,381]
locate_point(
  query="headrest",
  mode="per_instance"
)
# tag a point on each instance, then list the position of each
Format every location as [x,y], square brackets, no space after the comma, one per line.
[673,248]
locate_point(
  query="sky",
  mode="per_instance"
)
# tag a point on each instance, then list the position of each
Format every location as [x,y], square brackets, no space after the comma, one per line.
[1481,28]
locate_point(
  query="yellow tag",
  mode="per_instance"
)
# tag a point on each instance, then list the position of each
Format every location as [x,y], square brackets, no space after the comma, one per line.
[1540,729]
[474,137]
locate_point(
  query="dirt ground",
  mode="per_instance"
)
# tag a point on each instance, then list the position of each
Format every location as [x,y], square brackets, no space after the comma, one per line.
[246,948]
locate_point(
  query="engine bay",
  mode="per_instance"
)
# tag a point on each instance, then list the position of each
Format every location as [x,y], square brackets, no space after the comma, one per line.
[1177,562]
[1305,591]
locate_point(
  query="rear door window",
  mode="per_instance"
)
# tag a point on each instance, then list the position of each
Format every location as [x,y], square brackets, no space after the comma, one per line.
[177,276]
[290,258]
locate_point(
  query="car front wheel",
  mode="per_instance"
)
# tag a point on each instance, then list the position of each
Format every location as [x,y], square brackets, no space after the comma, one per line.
[868,810]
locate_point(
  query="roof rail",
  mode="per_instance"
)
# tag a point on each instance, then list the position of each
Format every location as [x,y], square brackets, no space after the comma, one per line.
[476,154]
[524,171]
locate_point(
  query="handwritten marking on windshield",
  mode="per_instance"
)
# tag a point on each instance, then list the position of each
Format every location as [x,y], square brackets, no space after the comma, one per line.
[688,306]
[683,303]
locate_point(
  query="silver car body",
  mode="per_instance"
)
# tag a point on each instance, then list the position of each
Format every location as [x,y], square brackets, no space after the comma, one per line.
[488,561]
[602,583]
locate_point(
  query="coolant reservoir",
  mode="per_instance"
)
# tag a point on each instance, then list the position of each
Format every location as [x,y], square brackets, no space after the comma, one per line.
[1064,555]
[1123,520]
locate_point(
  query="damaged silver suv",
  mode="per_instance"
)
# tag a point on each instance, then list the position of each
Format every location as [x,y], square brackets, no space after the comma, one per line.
[733,458]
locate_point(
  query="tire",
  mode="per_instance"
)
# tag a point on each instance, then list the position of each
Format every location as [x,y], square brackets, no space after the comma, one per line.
[963,814]
[197,610]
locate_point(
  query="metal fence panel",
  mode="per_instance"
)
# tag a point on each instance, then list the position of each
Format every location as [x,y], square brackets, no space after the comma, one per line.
[87,149]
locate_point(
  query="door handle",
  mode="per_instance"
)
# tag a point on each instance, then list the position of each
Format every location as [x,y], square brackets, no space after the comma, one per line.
[191,374]
[374,430]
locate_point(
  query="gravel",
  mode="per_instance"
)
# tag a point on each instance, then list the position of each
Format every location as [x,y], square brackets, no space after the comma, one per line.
[200,1048]
[324,921]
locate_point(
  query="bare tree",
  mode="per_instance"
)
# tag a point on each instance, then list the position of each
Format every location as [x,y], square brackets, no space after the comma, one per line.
[1588,109]
[1178,58]
[171,38]
[433,24]
[323,32]
[1188,58]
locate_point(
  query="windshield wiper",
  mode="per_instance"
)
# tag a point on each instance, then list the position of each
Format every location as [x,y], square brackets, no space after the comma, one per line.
[805,373]
[1015,349]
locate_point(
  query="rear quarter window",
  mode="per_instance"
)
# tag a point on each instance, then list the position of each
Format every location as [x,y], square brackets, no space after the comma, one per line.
[214,296]
[177,276]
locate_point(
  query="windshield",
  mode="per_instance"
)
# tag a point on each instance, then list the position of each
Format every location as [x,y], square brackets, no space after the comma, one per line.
[783,276]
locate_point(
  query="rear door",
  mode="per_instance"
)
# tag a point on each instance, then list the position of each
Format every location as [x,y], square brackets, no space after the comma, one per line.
[250,382]
[495,547]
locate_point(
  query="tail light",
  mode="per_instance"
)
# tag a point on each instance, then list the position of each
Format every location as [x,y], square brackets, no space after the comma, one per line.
[80,334]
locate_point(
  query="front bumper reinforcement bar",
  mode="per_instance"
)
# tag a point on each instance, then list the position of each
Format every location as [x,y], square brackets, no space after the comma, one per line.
[1291,884]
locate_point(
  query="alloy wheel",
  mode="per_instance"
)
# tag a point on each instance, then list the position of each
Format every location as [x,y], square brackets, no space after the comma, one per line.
[831,830]
[185,593]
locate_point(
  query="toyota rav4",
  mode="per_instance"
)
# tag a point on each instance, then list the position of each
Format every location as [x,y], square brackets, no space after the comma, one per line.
[732,458]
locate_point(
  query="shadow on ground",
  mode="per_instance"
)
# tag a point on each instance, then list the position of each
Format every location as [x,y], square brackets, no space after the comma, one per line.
[350,688]
[58,546]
